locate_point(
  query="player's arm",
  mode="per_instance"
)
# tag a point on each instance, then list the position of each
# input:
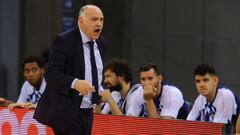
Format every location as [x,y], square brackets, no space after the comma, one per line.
[98,108]
[238,125]
[152,111]
[167,117]
[16,105]
[100,105]
[148,97]
[27,105]
[107,97]
[30,105]
[4,102]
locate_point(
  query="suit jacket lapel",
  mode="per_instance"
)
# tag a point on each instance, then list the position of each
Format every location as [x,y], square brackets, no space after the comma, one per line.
[100,45]
[80,52]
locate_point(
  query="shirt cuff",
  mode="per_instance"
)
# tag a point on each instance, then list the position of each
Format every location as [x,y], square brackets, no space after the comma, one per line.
[73,83]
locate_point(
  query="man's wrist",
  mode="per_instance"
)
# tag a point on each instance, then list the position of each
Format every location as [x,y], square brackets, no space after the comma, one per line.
[149,100]
[110,99]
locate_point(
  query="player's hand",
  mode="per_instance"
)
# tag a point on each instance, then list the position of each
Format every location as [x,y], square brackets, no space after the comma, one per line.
[14,105]
[27,105]
[2,100]
[5,102]
[30,105]
[83,87]
[105,96]
[148,92]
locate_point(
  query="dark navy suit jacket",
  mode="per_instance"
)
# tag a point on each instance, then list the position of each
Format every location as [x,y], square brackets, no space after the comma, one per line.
[59,104]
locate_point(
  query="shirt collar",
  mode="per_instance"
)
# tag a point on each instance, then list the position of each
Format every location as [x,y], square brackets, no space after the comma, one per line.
[85,39]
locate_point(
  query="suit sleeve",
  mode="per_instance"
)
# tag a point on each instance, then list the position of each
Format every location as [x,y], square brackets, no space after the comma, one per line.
[55,73]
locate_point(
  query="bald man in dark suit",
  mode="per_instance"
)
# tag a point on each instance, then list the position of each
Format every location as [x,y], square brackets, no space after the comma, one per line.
[71,90]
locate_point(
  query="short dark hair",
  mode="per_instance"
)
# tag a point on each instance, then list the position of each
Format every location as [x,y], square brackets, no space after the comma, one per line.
[149,66]
[36,59]
[204,69]
[120,67]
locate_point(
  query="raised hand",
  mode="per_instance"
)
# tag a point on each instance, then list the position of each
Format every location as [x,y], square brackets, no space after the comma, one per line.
[105,95]
[149,92]
[83,87]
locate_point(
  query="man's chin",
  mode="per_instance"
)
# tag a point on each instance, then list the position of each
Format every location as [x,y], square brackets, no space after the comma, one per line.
[95,36]
[203,94]
[33,83]
[114,89]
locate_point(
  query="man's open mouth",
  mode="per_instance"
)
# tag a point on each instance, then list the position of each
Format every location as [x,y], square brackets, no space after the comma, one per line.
[97,30]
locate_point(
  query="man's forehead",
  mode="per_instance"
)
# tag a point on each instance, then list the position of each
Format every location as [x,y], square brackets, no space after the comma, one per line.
[31,64]
[109,71]
[93,11]
[148,73]
[204,76]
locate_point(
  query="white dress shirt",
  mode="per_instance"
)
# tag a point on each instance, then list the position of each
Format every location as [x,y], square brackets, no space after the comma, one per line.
[86,102]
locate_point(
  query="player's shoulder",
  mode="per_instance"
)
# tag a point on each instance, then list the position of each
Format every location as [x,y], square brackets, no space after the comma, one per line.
[200,100]
[225,92]
[136,91]
[170,88]
[136,88]
[27,85]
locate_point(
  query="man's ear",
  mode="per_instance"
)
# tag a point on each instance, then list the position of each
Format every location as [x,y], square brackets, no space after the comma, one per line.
[160,78]
[80,20]
[42,69]
[216,79]
[121,77]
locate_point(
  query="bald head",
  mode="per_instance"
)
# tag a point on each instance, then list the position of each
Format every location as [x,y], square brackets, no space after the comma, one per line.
[83,10]
[90,21]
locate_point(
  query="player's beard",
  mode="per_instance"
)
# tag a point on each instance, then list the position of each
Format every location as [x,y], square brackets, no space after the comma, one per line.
[117,87]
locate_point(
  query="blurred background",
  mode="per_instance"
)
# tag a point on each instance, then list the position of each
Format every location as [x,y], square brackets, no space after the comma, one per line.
[175,34]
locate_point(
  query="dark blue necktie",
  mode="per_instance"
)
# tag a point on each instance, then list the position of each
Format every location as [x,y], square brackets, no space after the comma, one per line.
[94,73]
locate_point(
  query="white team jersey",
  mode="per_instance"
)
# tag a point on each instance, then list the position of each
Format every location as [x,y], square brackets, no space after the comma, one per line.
[128,104]
[30,94]
[168,104]
[124,104]
[221,110]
